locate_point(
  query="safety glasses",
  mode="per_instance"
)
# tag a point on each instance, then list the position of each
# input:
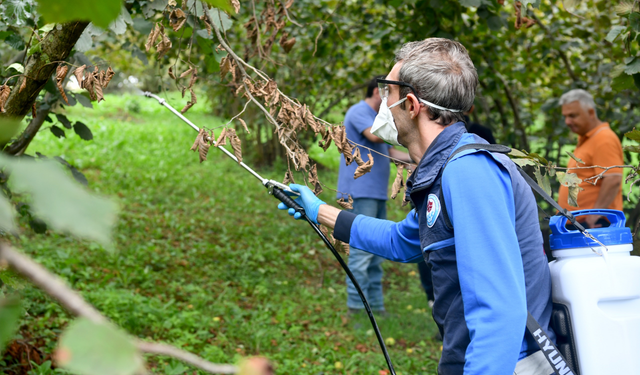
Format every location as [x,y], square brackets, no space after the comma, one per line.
[383,87]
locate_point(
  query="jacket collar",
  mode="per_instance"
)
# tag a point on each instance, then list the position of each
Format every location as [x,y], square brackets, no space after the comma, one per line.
[435,157]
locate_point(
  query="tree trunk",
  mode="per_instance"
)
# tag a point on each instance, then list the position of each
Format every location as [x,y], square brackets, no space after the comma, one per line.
[41,63]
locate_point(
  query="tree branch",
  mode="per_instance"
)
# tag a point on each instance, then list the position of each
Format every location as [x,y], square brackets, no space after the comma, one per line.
[563,56]
[516,114]
[55,46]
[75,304]
[20,145]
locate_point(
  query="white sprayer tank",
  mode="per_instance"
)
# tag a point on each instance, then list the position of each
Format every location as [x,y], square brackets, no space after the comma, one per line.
[601,292]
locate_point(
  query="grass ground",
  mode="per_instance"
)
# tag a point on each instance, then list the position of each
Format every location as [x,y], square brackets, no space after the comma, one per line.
[205,261]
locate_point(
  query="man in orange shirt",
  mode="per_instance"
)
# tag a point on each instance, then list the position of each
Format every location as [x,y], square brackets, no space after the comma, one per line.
[599,146]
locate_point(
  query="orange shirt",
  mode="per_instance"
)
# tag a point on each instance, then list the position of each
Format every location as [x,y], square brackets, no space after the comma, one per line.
[601,147]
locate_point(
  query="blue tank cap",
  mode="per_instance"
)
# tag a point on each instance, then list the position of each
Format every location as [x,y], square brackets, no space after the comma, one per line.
[616,234]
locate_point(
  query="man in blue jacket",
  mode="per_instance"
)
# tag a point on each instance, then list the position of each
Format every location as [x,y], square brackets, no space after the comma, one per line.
[475,222]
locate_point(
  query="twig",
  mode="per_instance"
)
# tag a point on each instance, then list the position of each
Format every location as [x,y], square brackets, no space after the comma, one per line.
[564,58]
[238,115]
[184,356]
[255,19]
[315,46]
[49,283]
[567,10]
[72,301]
[286,13]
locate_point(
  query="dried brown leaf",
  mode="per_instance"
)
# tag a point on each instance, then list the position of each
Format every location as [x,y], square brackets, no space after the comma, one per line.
[350,157]
[236,144]
[311,121]
[398,183]
[202,144]
[236,5]
[518,23]
[225,66]
[347,205]
[153,36]
[244,124]
[357,157]
[164,45]
[172,75]
[528,22]
[364,168]
[303,159]
[88,84]
[313,180]
[194,77]
[23,84]
[79,75]
[108,75]
[61,73]
[288,4]
[287,44]
[187,72]
[207,25]
[97,85]
[288,177]
[33,110]
[177,19]
[222,138]
[326,141]
[191,102]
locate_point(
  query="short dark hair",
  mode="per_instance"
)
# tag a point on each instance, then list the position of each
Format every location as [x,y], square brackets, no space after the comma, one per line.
[372,85]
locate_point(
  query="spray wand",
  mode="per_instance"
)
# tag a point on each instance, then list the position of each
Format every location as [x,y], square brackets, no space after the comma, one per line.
[283,193]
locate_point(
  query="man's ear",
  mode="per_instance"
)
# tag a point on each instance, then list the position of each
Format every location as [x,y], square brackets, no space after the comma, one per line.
[591,112]
[413,105]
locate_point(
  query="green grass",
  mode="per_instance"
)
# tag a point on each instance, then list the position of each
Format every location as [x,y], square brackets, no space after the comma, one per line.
[206,262]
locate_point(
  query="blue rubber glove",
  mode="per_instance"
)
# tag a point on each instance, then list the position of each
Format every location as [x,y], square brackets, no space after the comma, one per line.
[307,200]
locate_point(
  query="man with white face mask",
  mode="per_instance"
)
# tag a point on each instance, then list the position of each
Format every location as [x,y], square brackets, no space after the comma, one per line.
[490,270]
[369,194]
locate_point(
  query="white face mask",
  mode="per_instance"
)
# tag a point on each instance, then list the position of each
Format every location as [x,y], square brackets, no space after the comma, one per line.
[384,126]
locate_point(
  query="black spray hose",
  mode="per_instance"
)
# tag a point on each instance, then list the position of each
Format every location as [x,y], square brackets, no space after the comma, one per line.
[284,198]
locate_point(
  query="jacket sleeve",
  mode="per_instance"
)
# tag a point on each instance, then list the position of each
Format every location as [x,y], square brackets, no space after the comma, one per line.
[398,242]
[480,203]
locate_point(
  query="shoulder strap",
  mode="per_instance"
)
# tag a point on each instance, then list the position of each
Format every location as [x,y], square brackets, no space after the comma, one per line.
[547,347]
[502,149]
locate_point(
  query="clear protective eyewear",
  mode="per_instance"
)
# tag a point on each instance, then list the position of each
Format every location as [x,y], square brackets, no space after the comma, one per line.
[383,87]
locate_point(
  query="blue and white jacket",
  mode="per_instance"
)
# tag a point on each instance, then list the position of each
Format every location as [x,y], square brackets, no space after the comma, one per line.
[488,272]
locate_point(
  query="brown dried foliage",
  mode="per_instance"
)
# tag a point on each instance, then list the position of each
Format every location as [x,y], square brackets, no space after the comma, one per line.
[398,183]
[23,84]
[288,177]
[79,75]
[338,245]
[177,19]
[4,95]
[347,205]
[236,144]
[153,36]
[313,180]
[202,144]
[191,102]
[33,109]
[364,168]
[244,125]
[518,23]
[222,138]
[236,5]
[61,73]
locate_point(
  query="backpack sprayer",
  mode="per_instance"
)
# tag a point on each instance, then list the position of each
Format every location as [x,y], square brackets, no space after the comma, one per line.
[283,193]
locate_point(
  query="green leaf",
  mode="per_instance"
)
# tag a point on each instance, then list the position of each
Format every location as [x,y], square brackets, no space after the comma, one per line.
[222,4]
[577,159]
[634,21]
[614,32]
[538,158]
[63,120]
[83,131]
[572,198]
[17,66]
[15,41]
[633,67]
[88,348]
[568,179]
[470,3]
[7,214]
[633,135]
[10,311]
[635,149]
[517,153]
[62,203]
[523,162]
[57,131]
[8,128]
[543,181]
[101,13]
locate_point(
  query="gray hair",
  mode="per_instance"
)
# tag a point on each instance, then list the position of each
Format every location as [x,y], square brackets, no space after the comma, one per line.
[578,95]
[442,73]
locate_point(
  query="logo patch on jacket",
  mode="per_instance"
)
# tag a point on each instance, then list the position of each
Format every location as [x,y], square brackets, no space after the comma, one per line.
[433,209]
